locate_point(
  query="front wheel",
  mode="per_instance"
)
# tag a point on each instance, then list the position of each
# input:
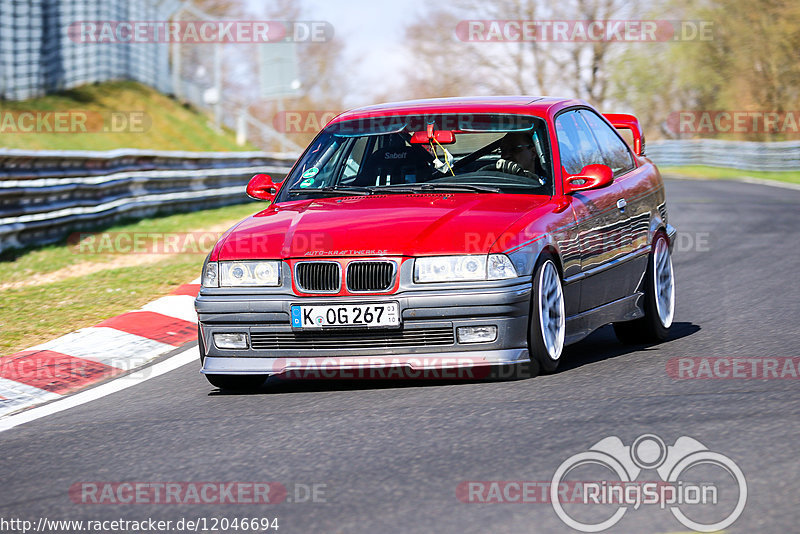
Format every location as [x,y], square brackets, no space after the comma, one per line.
[659,299]
[547,319]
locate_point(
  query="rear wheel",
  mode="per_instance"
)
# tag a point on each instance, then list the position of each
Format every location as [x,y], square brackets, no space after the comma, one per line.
[547,319]
[659,299]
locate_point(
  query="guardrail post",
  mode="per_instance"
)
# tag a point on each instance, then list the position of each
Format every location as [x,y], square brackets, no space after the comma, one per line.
[241,128]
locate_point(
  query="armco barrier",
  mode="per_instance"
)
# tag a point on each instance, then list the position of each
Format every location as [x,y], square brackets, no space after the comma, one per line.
[751,156]
[44,195]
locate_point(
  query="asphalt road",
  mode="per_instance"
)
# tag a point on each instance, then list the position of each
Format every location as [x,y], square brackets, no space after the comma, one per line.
[388,456]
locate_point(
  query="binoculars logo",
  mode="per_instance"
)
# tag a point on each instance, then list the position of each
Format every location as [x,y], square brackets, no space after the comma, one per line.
[697,505]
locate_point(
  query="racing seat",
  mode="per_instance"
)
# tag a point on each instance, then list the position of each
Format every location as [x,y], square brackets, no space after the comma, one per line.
[395,165]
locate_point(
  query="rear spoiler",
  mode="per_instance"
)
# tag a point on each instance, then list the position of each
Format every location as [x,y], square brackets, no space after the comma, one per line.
[623,121]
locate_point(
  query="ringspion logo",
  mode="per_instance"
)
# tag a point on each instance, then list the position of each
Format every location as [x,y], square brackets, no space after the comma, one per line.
[704,490]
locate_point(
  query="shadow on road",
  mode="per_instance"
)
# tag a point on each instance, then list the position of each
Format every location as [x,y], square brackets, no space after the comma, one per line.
[600,345]
[603,345]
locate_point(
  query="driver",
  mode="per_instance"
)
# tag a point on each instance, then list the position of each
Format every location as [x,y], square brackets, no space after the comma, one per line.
[518,155]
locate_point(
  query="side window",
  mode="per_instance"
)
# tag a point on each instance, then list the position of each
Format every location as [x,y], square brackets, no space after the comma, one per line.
[576,144]
[354,160]
[615,151]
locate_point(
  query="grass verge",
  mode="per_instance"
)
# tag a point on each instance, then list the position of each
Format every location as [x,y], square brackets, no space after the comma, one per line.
[702,171]
[106,109]
[61,290]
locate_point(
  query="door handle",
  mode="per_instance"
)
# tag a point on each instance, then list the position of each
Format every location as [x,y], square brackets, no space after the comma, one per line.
[621,203]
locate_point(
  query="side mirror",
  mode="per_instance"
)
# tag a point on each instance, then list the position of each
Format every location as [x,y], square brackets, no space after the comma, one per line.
[592,176]
[261,187]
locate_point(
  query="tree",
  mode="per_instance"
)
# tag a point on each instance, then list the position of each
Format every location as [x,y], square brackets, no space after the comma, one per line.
[750,63]
[446,63]
[321,75]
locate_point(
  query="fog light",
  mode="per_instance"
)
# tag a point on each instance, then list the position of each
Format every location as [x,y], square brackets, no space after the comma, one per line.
[236,340]
[476,334]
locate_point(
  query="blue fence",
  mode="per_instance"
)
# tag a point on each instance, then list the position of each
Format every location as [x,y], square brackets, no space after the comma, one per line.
[40,52]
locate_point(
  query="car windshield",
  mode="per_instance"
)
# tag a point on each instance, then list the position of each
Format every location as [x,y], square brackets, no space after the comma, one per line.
[480,153]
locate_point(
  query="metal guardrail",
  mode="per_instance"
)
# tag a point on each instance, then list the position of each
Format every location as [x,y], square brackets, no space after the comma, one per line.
[746,155]
[44,195]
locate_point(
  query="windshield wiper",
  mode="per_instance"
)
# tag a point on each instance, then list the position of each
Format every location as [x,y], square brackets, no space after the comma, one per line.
[329,190]
[426,187]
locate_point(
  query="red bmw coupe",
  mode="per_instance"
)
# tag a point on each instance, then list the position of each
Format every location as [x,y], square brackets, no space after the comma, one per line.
[488,231]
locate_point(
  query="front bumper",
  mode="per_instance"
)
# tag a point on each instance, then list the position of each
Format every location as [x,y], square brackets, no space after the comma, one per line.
[403,365]
[672,233]
[426,340]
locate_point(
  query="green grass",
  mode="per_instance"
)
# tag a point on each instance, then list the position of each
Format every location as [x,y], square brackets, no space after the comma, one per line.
[702,171]
[18,264]
[34,314]
[168,124]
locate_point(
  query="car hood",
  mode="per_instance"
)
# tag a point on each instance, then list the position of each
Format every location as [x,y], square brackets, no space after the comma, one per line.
[405,225]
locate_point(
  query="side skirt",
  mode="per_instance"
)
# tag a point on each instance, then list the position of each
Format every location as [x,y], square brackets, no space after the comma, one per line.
[625,309]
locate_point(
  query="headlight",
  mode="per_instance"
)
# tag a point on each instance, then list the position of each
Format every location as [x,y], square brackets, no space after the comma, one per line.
[249,273]
[210,275]
[500,267]
[463,268]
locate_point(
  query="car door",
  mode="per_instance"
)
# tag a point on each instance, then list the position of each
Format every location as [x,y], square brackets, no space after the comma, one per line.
[601,215]
[633,180]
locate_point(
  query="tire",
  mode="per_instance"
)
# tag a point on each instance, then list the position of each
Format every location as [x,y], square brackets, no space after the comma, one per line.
[230,382]
[547,328]
[659,299]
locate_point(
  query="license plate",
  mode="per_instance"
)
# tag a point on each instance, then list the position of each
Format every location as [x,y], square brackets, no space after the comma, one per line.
[372,315]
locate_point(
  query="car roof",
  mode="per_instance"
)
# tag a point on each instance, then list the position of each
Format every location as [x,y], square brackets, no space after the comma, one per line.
[529,105]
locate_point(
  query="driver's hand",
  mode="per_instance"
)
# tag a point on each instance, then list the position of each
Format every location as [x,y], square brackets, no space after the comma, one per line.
[512,167]
[509,167]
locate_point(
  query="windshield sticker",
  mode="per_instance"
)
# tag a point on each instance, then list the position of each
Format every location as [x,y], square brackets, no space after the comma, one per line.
[308,182]
[310,173]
